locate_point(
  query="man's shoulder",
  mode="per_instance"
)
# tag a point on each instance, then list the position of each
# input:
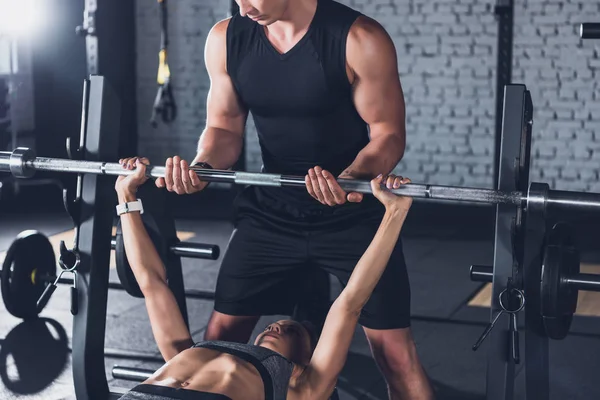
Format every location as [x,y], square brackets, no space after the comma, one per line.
[339,7]
[231,25]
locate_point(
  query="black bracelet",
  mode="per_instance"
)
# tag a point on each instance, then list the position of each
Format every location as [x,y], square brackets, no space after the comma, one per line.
[203,165]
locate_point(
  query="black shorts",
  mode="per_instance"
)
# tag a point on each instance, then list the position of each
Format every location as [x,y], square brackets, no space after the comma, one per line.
[270,252]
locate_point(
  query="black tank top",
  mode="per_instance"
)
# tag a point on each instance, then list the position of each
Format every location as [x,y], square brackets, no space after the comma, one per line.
[274,368]
[301,101]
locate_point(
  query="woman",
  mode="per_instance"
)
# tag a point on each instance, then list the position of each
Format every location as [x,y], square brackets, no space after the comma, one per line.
[283,362]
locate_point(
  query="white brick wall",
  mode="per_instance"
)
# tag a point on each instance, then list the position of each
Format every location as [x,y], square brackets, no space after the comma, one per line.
[189,24]
[447,59]
[562,73]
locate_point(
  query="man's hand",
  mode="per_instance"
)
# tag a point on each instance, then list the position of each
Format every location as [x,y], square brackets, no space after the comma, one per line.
[387,198]
[324,187]
[179,178]
[129,184]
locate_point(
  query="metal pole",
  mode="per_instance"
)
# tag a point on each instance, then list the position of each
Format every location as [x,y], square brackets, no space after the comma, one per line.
[131,374]
[589,282]
[188,250]
[89,324]
[560,200]
[500,365]
[504,11]
[590,31]
[537,363]
[23,163]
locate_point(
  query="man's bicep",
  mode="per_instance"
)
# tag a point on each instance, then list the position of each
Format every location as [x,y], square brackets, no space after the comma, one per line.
[378,96]
[224,109]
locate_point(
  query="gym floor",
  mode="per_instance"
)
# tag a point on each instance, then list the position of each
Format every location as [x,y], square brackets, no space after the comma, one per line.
[441,241]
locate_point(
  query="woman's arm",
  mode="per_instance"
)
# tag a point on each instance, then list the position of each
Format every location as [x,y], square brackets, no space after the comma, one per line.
[330,354]
[168,326]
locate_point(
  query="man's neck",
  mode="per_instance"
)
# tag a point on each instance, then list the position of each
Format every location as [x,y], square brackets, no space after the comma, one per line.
[295,20]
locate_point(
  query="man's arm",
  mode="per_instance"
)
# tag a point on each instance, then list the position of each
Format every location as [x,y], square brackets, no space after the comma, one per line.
[372,68]
[378,98]
[170,332]
[220,144]
[331,352]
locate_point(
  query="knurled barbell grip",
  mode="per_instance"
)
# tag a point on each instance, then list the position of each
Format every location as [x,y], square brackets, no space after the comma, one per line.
[9,162]
[414,190]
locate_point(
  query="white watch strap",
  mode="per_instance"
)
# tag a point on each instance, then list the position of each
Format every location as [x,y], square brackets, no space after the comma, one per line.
[131,206]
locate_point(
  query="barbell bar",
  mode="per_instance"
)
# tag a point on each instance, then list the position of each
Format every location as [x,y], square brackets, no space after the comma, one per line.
[23,163]
[187,249]
[589,282]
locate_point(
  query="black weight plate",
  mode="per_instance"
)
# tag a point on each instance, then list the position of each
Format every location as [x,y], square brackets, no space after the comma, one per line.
[29,257]
[124,271]
[558,299]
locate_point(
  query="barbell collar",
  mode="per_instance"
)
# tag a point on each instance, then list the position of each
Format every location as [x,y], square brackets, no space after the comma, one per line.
[589,282]
[537,198]
[17,162]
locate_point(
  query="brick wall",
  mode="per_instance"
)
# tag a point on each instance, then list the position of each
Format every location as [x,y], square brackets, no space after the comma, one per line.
[562,72]
[447,58]
[189,24]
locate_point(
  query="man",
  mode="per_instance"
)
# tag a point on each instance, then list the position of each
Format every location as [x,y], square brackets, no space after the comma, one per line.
[319,79]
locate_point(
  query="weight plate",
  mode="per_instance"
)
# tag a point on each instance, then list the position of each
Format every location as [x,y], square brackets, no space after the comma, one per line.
[124,270]
[558,299]
[29,258]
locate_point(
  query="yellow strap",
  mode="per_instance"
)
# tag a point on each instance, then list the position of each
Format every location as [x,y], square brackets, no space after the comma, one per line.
[163,68]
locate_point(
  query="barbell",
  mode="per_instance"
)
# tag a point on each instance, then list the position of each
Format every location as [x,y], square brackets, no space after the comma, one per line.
[23,163]
[560,280]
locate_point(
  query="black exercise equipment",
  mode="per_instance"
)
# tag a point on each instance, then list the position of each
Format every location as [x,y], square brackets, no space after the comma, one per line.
[504,11]
[141,374]
[589,31]
[164,103]
[560,280]
[126,276]
[27,269]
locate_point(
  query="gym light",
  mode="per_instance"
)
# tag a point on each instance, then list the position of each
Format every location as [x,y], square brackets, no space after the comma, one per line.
[18,17]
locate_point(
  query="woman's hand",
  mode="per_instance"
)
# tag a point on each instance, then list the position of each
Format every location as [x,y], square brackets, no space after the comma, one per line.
[387,198]
[129,184]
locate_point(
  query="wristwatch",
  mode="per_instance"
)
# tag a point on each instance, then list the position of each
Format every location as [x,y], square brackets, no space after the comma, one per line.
[130,206]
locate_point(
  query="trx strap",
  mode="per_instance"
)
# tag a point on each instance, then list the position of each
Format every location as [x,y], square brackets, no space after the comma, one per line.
[164,103]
